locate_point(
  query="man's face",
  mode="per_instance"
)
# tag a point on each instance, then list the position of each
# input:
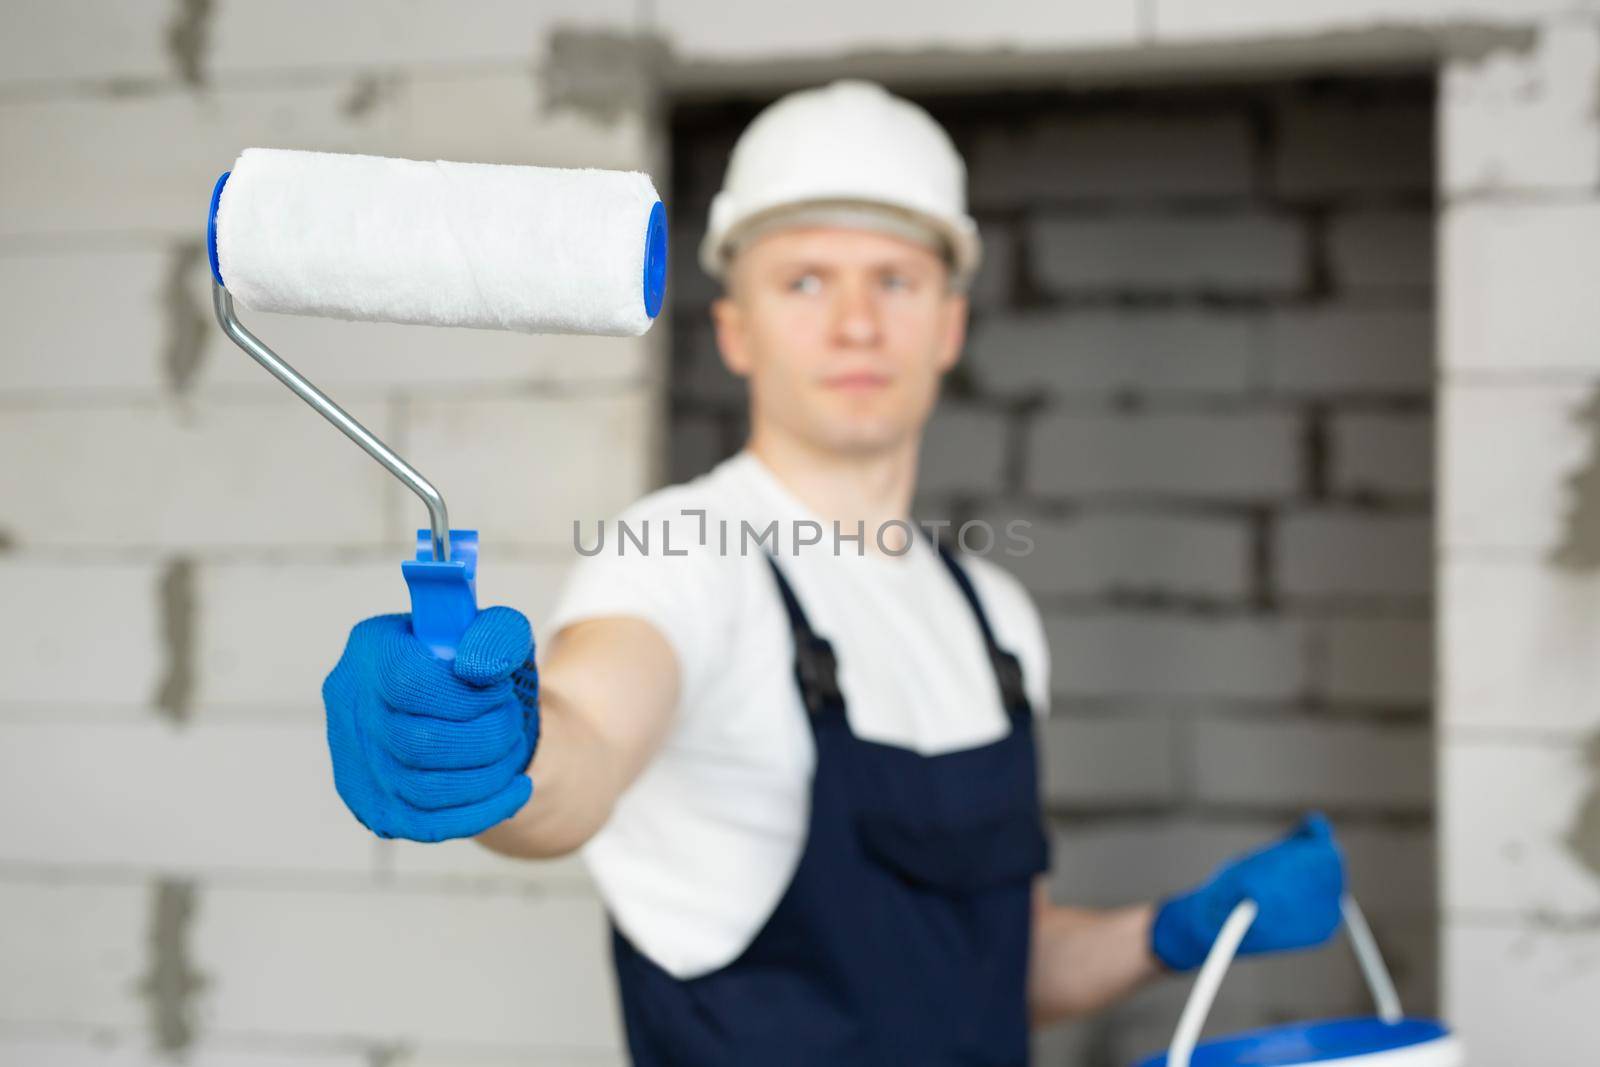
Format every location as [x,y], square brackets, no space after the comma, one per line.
[842,333]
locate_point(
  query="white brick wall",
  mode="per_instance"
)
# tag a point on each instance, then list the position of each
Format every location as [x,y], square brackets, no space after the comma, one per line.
[1525,121]
[75,953]
[60,144]
[459,864]
[84,321]
[1520,167]
[1505,490]
[257,663]
[408,966]
[352,359]
[254,658]
[1547,969]
[146,797]
[145,448]
[1517,644]
[1507,849]
[97,323]
[103,1050]
[432,34]
[1177,20]
[80,634]
[158,475]
[521,469]
[75,39]
[430,1055]
[1502,308]
[704,30]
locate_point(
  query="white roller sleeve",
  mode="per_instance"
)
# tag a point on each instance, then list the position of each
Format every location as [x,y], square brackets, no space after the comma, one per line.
[536,249]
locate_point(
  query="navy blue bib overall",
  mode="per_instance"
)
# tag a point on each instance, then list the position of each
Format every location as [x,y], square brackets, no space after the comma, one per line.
[903,936]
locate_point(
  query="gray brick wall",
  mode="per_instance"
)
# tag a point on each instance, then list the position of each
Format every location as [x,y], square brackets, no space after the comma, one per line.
[1201,364]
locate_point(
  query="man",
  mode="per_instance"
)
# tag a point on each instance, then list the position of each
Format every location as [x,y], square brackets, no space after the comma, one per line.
[794,736]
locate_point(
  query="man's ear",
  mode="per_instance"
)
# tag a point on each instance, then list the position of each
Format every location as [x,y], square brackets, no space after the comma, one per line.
[727,319]
[956,308]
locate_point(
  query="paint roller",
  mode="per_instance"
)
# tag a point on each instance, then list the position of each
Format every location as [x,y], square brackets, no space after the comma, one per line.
[532,249]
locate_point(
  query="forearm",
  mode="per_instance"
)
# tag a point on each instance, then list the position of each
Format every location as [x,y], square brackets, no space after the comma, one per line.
[1085,960]
[574,790]
[607,692]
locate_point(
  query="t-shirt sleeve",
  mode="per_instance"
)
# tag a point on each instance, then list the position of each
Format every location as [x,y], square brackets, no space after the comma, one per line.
[647,564]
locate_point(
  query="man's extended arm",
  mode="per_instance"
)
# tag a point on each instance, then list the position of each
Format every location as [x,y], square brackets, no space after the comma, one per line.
[607,692]
[1084,960]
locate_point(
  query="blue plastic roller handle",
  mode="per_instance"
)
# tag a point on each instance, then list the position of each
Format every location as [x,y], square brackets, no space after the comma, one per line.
[444,595]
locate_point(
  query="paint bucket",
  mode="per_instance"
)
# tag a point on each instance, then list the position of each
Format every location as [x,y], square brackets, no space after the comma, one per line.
[1387,1039]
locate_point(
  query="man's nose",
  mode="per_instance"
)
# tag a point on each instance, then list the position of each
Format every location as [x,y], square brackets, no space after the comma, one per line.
[855,313]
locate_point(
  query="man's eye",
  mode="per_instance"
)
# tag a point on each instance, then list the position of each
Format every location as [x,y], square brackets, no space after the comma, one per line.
[896,282]
[806,283]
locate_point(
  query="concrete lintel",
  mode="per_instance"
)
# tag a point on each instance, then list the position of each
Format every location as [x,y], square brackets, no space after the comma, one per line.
[1386,48]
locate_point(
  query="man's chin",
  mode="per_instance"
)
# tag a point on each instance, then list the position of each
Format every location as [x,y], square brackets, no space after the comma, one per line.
[863,440]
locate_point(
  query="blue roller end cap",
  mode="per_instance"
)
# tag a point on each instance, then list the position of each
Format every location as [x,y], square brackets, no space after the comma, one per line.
[211,226]
[655,258]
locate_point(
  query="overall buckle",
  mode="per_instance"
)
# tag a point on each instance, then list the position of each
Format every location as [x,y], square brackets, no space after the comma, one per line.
[1008,670]
[816,669]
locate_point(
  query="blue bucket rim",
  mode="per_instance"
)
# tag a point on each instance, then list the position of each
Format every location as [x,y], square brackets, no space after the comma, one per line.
[1325,1041]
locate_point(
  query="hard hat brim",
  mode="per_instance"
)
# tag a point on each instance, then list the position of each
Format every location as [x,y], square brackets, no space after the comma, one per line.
[958,236]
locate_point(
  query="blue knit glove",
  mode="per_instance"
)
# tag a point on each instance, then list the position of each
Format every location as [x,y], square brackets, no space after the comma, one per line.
[430,749]
[1296,882]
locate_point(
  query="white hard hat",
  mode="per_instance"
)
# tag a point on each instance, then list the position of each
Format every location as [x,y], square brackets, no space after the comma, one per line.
[848,153]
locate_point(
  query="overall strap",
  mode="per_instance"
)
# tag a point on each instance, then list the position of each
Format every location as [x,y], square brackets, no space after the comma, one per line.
[1007,668]
[816,670]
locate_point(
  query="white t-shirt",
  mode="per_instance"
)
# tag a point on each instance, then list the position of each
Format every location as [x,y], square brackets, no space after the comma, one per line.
[701,847]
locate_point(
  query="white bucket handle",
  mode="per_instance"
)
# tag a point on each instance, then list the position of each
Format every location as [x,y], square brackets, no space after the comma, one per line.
[1209,980]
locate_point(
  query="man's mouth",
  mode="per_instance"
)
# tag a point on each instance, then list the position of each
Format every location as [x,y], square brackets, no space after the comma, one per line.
[853,381]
